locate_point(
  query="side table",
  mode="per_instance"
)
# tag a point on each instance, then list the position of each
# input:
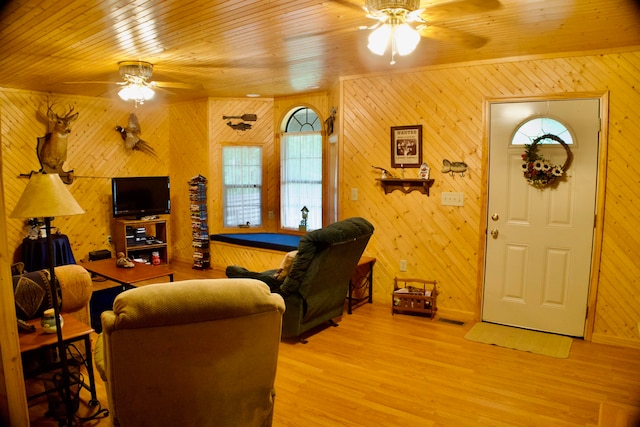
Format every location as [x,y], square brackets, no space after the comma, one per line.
[361,281]
[34,252]
[73,330]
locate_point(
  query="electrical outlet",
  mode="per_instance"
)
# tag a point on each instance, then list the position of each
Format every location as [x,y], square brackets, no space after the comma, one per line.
[109,239]
[354,194]
[403,265]
[271,215]
[452,199]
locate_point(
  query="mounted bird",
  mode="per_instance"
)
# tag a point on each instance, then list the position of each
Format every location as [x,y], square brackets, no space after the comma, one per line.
[131,137]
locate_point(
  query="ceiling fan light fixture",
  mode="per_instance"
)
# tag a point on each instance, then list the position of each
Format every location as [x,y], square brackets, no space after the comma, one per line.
[136,92]
[379,39]
[381,5]
[393,26]
[141,69]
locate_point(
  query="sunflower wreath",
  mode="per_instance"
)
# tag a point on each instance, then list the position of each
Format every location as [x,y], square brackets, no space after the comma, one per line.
[537,170]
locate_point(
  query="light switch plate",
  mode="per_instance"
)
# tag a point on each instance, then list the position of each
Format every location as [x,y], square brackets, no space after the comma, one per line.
[452,199]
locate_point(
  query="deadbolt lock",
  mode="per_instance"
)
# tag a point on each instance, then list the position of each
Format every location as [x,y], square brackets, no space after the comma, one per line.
[495,217]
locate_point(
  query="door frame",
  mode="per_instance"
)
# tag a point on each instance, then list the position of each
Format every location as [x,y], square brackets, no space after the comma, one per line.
[596,254]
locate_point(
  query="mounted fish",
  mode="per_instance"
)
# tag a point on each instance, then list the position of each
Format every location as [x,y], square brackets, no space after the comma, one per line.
[239,126]
[52,148]
[131,137]
[454,167]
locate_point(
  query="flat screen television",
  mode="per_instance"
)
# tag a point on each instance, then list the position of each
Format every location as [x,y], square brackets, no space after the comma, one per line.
[140,196]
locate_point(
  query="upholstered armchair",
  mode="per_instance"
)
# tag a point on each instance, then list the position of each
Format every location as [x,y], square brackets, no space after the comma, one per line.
[191,353]
[315,288]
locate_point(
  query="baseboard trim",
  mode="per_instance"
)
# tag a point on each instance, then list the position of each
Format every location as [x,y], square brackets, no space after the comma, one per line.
[615,341]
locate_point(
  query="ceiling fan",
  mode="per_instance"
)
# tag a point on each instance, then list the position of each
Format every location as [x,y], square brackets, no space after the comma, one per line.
[136,82]
[401,23]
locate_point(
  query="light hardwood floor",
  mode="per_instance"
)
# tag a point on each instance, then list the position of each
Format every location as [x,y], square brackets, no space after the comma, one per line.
[376,369]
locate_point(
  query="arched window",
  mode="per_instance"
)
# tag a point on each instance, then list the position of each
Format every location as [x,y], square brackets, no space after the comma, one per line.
[301,169]
[528,131]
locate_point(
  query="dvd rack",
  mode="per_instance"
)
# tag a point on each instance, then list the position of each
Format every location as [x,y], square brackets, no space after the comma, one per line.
[199,227]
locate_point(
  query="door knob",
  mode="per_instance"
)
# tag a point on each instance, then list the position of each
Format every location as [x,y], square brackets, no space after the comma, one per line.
[494,233]
[495,217]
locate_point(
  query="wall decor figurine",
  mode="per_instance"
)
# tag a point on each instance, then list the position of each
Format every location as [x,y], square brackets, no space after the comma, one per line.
[52,148]
[305,216]
[244,117]
[131,136]
[383,172]
[454,167]
[330,121]
[423,173]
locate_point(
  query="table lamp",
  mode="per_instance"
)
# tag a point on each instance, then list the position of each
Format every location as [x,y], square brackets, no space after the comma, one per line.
[46,196]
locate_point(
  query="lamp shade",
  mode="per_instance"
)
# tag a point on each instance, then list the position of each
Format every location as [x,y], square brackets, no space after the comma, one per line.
[46,196]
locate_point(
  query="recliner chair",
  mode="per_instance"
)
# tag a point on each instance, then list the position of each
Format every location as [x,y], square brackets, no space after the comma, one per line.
[191,353]
[314,290]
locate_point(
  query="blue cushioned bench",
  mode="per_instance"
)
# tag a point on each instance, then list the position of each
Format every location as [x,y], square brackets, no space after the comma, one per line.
[274,241]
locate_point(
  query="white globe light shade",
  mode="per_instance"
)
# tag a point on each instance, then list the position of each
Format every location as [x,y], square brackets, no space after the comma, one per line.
[379,39]
[136,92]
[407,39]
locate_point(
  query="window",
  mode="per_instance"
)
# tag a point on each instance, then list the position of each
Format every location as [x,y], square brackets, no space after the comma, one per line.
[242,185]
[534,128]
[301,170]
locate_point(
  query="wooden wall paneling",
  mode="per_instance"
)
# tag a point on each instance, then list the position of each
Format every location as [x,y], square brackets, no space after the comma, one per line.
[261,133]
[441,242]
[189,154]
[13,403]
[96,153]
[253,259]
[447,239]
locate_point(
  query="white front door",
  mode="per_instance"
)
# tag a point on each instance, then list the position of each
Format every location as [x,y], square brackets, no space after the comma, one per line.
[539,246]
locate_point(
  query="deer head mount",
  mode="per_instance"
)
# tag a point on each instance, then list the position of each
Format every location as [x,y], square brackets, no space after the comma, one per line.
[52,148]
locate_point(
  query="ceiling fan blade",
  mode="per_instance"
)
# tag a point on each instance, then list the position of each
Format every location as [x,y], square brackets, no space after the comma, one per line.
[349,4]
[454,9]
[94,83]
[462,38]
[175,85]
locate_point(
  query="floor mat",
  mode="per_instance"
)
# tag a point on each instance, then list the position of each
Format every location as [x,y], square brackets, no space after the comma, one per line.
[521,339]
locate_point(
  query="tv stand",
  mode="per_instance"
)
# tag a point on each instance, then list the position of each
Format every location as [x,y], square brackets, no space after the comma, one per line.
[157,231]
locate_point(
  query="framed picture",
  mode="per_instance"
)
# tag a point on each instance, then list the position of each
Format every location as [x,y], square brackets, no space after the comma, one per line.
[406,146]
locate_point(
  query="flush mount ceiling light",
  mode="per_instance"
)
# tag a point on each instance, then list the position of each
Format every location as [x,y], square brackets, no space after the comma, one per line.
[393,28]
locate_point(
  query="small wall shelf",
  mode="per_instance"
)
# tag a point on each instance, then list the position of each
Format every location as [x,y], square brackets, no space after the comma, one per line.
[406,185]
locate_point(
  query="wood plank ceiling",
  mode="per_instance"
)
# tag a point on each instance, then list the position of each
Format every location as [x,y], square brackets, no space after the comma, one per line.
[278,47]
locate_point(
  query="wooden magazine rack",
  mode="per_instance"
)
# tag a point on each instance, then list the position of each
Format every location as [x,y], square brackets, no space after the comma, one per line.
[414,296]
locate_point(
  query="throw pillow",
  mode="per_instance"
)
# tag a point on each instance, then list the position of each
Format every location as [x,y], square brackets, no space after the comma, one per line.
[17,268]
[285,266]
[32,294]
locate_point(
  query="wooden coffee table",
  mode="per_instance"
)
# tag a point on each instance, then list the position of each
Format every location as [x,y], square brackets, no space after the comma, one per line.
[127,276]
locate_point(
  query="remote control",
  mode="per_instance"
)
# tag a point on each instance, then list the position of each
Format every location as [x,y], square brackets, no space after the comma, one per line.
[25,327]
